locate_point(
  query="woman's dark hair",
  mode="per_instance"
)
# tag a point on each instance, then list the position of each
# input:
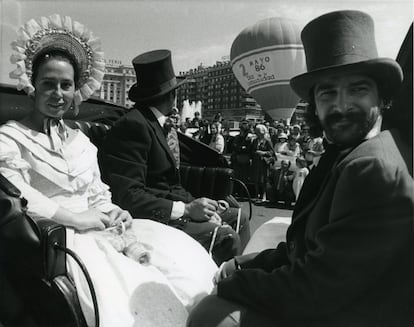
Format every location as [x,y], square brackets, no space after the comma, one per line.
[48,54]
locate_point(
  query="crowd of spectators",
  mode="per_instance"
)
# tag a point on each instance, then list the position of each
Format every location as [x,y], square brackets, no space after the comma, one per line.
[272,158]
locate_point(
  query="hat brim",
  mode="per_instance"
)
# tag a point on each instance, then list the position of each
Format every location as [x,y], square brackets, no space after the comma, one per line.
[385,71]
[134,93]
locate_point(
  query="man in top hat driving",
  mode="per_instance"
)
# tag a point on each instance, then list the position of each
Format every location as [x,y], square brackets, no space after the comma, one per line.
[348,255]
[140,161]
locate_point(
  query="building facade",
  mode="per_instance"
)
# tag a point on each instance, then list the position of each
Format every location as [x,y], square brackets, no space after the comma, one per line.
[215,87]
[219,92]
[117,81]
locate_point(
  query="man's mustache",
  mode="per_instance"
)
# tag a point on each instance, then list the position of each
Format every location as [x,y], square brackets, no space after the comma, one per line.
[351,116]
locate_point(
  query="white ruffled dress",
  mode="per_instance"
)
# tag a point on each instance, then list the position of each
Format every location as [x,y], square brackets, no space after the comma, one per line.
[129,294]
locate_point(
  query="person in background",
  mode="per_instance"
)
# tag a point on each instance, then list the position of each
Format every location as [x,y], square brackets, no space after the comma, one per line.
[175,117]
[314,153]
[304,139]
[217,140]
[263,156]
[273,136]
[183,128]
[295,132]
[291,148]
[279,128]
[240,156]
[228,141]
[299,176]
[218,118]
[348,259]
[204,132]
[279,187]
[281,141]
[196,120]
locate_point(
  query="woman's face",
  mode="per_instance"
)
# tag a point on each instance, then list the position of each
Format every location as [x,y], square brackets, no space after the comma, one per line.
[55,88]
[213,129]
[260,132]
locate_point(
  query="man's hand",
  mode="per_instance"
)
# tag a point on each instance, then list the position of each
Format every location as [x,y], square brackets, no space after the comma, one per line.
[202,209]
[226,269]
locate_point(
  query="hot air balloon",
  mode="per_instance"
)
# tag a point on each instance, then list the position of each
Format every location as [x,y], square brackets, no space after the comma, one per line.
[264,57]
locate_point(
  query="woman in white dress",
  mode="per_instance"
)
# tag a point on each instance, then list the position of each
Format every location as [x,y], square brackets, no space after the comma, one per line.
[56,169]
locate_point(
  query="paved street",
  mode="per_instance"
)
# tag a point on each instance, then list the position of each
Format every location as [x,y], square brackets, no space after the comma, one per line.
[261,214]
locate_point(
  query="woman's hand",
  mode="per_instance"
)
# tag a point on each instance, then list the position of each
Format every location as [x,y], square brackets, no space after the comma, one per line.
[119,215]
[82,221]
[92,219]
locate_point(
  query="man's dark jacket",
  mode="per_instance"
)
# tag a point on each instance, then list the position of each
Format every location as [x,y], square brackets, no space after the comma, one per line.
[348,258]
[140,168]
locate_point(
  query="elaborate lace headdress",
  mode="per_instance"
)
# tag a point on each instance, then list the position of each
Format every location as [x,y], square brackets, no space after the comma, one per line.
[63,33]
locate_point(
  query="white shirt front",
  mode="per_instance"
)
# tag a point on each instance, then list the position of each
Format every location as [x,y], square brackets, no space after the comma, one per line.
[178,207]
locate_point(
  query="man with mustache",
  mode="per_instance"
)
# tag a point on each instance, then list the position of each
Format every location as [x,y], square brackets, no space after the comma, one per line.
[348,259]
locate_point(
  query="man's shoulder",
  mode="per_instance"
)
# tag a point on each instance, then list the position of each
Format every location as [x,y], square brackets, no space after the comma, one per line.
[381,148]
[134,119]
[131,116]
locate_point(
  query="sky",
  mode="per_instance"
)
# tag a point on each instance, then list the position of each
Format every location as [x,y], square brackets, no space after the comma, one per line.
[196,31]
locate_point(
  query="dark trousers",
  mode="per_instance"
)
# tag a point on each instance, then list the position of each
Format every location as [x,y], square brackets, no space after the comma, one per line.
[227,242]
[214,311]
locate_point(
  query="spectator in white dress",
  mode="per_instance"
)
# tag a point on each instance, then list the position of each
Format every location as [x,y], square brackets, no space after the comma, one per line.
[217,140]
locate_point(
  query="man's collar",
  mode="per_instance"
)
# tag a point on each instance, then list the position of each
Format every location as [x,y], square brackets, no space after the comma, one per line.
[159,116]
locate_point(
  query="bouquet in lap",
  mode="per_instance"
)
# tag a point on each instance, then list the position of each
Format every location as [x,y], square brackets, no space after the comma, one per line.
[125,241]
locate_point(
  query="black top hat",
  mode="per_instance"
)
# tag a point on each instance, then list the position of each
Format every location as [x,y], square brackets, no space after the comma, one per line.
[344,41]
[155,76]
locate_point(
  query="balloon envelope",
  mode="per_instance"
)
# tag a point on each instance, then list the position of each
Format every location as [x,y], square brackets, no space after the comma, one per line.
[264,57]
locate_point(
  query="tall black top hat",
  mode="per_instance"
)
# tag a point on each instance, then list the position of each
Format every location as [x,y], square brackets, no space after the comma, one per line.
[155,76]
[344,41]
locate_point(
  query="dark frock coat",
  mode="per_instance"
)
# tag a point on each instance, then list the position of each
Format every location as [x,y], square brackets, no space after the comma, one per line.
[140,168]
[348,258]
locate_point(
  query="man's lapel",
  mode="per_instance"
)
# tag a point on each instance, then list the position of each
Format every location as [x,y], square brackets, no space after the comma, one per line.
[310,194]
[306,206]
[154,124]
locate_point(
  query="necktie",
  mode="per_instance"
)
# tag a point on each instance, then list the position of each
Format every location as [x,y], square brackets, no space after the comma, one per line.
[172,141]
[56,130]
